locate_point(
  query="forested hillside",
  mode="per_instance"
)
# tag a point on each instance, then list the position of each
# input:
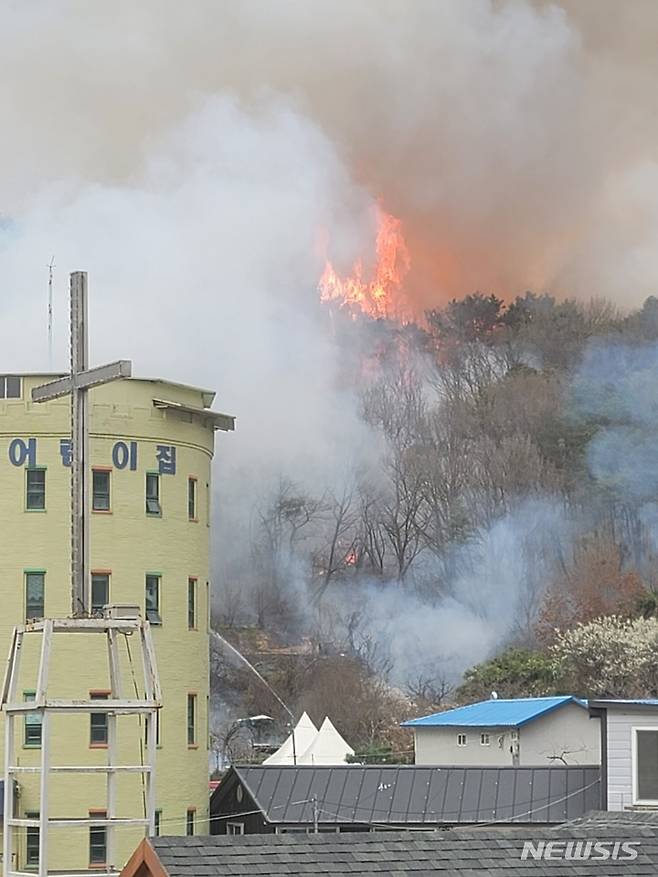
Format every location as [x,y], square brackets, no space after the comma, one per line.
[507,495]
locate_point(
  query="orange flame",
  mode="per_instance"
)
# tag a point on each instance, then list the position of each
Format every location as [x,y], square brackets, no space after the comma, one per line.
[382,296]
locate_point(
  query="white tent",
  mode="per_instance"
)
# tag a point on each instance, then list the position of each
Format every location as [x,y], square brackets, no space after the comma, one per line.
[305,733]
[327,748]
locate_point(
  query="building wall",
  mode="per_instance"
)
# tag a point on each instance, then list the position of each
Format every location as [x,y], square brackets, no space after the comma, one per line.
[128,543]
[439,746]
[620,724]
[566,731]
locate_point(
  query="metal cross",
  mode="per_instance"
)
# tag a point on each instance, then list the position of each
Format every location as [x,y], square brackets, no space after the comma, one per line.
[77,385]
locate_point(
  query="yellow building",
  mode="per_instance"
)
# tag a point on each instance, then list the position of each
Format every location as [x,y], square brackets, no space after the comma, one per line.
[151,447]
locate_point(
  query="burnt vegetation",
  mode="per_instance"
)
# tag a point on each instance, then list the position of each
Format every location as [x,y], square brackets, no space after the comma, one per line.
[484,408]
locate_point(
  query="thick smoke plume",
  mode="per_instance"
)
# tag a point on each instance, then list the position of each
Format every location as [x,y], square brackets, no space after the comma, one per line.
[194,160]
[516,140]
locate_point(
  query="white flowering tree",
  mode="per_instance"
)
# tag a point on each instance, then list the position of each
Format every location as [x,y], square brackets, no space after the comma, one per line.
[609,657]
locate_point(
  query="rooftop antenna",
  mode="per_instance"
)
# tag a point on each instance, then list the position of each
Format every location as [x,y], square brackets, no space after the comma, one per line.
[50,313]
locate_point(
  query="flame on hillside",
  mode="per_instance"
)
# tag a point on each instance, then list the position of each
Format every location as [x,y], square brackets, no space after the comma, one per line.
[381,296]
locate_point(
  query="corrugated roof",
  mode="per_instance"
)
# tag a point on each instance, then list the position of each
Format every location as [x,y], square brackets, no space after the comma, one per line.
[487,852]
[400,795]
[495,713]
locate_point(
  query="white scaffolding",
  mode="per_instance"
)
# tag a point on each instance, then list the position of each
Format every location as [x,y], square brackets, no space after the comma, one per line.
[116,705]
[117,621]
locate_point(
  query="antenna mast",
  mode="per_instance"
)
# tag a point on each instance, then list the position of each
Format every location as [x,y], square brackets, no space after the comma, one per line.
[50,313]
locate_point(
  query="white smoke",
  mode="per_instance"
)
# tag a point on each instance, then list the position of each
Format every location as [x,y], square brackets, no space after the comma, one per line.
[516,139]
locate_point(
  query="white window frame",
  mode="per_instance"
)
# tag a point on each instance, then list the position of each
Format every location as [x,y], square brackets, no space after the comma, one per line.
[462,740]
[3,382]
[634,731]
[485,739]
[235,827]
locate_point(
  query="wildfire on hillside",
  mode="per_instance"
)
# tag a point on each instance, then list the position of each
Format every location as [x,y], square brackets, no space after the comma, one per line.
[382,295]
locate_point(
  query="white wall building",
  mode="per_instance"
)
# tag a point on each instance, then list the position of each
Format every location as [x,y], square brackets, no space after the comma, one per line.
[629,749]
[531,731]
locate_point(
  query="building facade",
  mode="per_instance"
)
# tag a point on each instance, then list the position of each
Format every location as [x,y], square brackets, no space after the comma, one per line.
[629,747]
[521,732]
[151,448]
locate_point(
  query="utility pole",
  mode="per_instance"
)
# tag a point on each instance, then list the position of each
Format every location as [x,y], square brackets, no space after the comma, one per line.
[316,814]
[50,312]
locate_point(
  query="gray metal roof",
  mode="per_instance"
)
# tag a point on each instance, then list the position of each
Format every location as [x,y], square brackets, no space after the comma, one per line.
[486,852]
[400,795]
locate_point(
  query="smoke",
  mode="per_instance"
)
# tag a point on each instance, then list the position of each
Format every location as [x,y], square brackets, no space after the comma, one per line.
[615,387]
[193,158]
[204,270]
[494,597]
[516,140]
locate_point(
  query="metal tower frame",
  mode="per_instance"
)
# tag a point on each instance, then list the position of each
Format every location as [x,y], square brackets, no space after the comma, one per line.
[117,704]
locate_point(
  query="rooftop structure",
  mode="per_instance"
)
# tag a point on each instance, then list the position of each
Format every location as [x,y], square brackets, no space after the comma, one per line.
[264,799]
[497,712]
[487,852]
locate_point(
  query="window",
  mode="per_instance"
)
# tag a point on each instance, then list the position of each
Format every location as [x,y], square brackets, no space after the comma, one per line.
[191,719]
[189,822]
[35,490]
[157,729]
[10,387]
[32,735]
[191,604]
[461,740]
[153,598]
[235,827]
[158,819]
[191,499]
[485,740]
[646,765]
[100,591]
[34,594]
[98,734]
[153,506]
[97,839]
[32,841]
[101,490]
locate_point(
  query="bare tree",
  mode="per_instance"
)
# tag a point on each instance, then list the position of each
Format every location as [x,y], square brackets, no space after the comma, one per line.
[372,537]
[431,693]
[340,547]
[281,526]
[403,510]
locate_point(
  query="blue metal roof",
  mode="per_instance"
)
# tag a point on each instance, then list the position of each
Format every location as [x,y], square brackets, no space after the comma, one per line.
[495,713]
[622,702]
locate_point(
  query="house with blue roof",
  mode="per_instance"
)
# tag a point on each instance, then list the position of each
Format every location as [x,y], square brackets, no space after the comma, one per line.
[521,732]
